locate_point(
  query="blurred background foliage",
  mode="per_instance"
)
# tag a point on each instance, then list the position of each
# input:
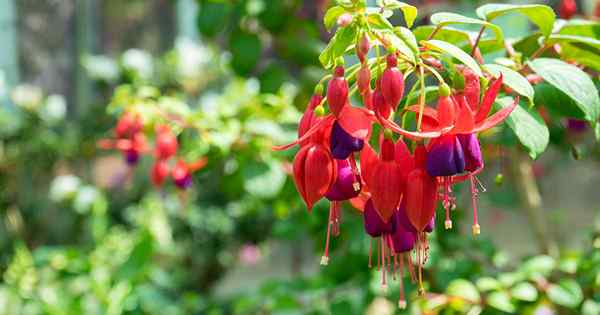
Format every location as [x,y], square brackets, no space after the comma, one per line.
[84,234]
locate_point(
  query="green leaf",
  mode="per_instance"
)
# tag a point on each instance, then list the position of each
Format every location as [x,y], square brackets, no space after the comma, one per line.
[566,293]
[339,44]
[410,12]
[377,21]
[488,284]
[524,291]
[572,81]
[406,36]
[332,15]
[464,289]
[528,126]
[512,79]
[581,28]
[501,300]
[263,180]
[559,38]
[557,102]
[138,259]
[590,308]
[455,52]
[443,19]
[541,15]
[540,265]
[584,54]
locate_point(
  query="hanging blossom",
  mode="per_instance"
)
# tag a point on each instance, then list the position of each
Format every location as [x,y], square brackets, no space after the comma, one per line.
[130,140]
[395,188]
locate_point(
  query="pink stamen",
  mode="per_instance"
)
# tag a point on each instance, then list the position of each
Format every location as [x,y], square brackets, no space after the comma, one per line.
[383,282]
[378,255]
[411,268]
[448,222]
[335,205]
[474,194]
[355,171]
[402,300]
[420,263]
[325,257]
[370,251]
[395,265]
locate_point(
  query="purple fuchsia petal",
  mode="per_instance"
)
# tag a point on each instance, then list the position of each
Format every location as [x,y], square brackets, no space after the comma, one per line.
[374,224]
[401,218]
[472,151]
[342,143]
[343,188]
[183,182]
[445,157]
[131,157]
[403,240]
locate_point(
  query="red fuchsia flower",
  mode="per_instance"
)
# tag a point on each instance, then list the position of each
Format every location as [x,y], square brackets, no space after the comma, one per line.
[457,149]
[309,118]
[567,9]
[314,171]
[160,172]
[166,142]
[131,147]
[128,125]
[182,176]
[392,82]
[385,175]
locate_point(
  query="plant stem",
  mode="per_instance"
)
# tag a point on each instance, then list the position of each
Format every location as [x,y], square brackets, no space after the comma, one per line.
[477,40]
[421,98]
[532,201]
[437,29]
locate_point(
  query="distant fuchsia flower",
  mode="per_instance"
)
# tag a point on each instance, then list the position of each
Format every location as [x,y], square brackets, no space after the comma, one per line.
[250,255]
[567,9]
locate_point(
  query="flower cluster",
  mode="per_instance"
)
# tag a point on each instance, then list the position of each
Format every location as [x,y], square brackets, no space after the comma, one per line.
[343,158]
[132,142]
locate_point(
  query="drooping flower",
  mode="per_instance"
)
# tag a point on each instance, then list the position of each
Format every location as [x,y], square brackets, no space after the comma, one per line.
[567,9]
[421,194]
[314,172]
[347,184]
[166,142]
[337,91]
[160,171]
[392,82]
[384,177]
[182,177]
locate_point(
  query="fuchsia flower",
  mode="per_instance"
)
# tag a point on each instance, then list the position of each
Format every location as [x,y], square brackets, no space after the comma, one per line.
[396,190]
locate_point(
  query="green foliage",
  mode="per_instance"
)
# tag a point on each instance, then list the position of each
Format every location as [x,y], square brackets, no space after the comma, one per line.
[74,244]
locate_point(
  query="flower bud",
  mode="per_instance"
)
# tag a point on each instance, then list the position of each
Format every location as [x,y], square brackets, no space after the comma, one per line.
[362,49]
[392,83]
[337,91]
[363,79]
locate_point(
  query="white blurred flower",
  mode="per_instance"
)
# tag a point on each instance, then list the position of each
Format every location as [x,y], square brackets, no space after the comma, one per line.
[191,57]
[27,96]
[138,61]
[54,109]
[101,68]
[85,198]
[64,187]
